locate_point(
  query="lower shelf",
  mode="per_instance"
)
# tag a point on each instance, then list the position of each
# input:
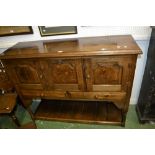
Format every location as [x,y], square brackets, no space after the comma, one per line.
[79,111]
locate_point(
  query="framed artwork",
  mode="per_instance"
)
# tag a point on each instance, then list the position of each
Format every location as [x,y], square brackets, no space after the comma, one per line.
[15,30]
[57,30]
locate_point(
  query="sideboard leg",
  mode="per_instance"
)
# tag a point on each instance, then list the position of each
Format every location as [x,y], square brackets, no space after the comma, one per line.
[26,103]
[32,116]
[123,119]
[14,118]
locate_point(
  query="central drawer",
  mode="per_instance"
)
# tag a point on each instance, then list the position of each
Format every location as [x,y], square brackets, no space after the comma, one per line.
[107,96]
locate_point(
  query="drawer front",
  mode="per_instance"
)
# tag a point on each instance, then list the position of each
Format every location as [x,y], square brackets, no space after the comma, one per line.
[75,95]
[43,94]
[117,97]
[30,87]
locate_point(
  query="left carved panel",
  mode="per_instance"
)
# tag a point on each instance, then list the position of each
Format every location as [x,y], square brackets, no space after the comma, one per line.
[25,73]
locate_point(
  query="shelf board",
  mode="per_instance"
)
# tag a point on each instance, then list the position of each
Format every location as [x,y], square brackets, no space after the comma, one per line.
[79,111]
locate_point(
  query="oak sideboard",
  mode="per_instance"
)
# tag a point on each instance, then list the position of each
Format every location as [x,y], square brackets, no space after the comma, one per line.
[86,80]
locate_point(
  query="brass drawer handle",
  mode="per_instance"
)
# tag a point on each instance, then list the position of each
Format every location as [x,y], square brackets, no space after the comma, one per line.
[101,97]
[67,94]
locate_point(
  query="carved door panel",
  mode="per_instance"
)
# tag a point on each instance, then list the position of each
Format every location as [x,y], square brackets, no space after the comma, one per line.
[25,73]
[106,74]
[63,74]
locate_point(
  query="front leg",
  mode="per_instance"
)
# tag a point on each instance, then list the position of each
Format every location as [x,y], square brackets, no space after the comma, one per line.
[123,119]
[27,105]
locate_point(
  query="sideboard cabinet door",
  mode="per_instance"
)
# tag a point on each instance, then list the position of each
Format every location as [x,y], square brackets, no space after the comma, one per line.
[111,73]
[63,74]
[25,73]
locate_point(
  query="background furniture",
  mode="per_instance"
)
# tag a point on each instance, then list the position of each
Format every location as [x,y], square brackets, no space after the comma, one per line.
[93,69]
[146,102]
[8,99]
[15,30]
[8,106]
[57,30]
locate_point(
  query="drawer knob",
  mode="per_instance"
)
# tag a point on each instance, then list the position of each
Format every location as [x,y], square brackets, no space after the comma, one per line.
[7,108]
[42,94]
[88,76]
[42,67]
[41,76]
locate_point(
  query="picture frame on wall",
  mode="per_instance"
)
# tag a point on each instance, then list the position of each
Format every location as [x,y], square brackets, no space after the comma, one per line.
[15,30]
[57,30]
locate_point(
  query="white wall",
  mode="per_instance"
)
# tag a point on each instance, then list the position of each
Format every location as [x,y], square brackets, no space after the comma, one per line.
[140,33]
[140,67]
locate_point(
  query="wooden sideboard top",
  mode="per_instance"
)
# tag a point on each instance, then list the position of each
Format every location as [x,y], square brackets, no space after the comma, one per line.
[88,46]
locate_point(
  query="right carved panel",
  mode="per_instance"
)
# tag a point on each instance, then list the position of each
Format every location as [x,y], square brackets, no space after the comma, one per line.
[106,74]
